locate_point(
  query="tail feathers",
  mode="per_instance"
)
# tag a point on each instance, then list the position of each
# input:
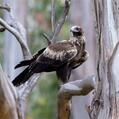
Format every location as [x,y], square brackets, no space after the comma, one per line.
[28,62]
[22,77]
[23,63]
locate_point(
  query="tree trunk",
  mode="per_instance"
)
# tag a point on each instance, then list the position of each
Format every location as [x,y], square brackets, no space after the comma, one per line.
[105,103]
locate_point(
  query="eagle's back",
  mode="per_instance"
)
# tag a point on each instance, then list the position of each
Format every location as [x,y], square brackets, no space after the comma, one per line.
[58,53]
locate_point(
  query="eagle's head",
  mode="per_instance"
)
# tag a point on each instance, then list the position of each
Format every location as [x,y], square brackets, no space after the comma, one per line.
[76,31]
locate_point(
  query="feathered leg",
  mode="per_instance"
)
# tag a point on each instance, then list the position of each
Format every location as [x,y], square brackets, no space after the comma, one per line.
[64,73]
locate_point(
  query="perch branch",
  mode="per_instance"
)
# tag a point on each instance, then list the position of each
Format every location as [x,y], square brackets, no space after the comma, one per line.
[62,20]
[75,88]
[20,39]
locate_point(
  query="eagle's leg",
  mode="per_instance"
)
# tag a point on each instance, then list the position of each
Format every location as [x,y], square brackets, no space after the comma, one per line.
[64,73]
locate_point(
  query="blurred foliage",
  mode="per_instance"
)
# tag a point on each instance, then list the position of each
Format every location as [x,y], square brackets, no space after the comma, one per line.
[43,100]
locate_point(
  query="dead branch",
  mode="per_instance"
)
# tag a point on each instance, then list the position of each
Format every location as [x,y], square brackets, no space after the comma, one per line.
[5,7]
[62,20]
[75,88]
[53,14]
[20,39]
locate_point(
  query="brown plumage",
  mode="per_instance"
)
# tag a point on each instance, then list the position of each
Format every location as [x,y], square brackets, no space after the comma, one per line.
[61,57]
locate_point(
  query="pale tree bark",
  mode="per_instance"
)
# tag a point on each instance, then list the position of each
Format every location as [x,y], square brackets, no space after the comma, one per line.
[106,24]
[105,103]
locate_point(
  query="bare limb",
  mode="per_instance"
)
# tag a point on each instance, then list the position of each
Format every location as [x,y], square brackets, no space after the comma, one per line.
[62,20]
[20,39]
[53,14]
[5,7]
[75,88]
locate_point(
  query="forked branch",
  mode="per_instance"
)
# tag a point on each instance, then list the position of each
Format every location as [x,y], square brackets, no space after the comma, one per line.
[75,88]
[62,20]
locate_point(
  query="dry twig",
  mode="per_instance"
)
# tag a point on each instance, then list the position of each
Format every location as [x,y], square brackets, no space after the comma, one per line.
[62,20]
[53,14]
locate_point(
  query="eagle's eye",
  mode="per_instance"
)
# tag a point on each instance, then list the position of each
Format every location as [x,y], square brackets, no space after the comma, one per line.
[77,29]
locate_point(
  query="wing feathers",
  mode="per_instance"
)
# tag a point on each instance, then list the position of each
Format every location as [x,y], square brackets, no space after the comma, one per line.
[60,51]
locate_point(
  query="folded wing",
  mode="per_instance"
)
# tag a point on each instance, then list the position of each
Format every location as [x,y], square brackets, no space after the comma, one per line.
[58,53]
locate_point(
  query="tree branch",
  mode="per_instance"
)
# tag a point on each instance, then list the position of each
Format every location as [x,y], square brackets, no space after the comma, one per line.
[5,7]
[53,14]
[62,20]
[20,39]
[75,88]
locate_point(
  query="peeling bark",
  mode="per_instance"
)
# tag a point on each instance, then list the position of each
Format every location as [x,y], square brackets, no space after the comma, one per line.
[105,102]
